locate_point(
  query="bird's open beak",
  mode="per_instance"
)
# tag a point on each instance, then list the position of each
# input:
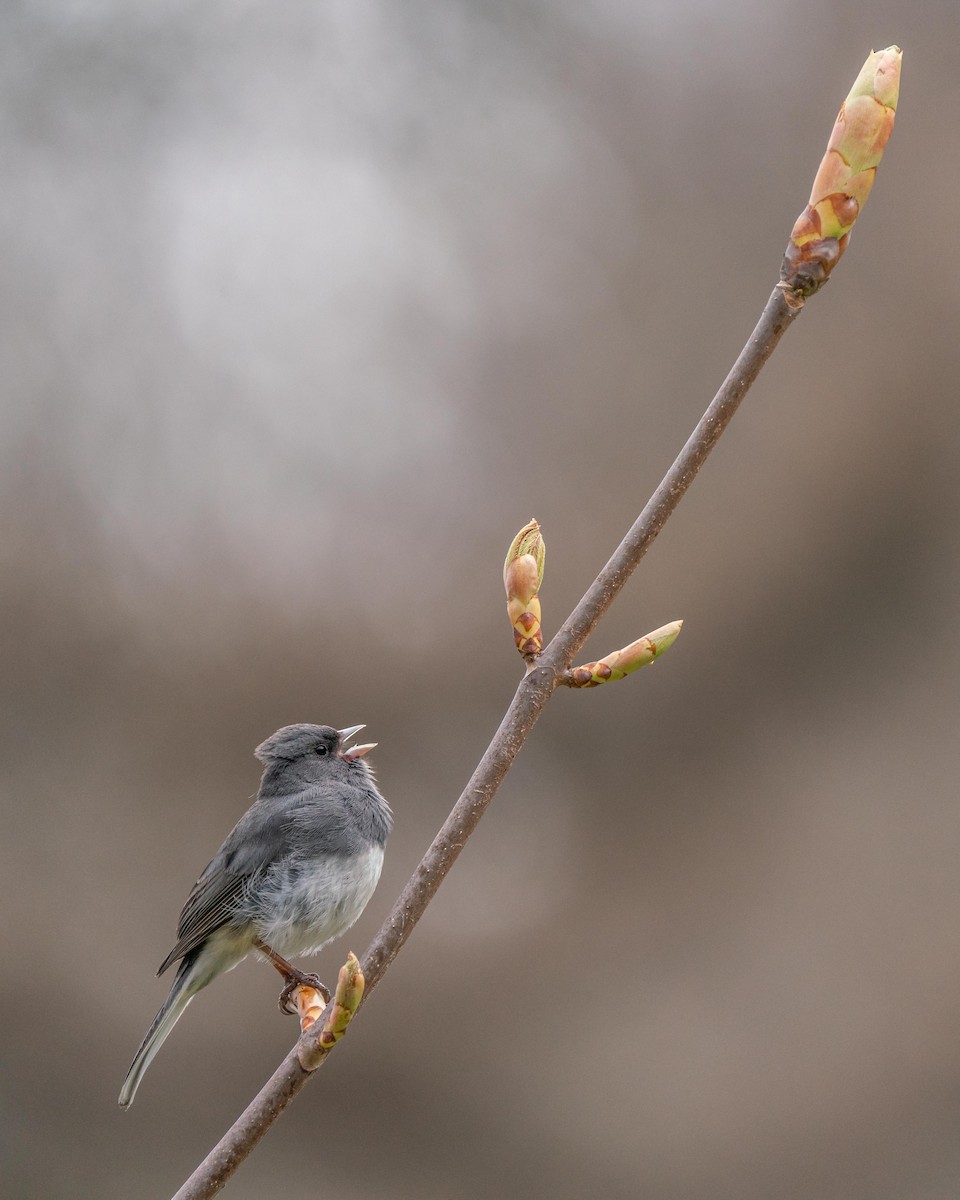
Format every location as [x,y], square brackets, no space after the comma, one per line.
[354,751]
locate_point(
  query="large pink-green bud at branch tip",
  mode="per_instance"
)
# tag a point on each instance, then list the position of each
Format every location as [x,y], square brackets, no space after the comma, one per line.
[840,190]
[522,576]
[621,662]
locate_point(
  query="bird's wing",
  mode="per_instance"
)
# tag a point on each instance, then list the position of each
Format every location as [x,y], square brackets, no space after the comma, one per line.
[211,903]
[259,838]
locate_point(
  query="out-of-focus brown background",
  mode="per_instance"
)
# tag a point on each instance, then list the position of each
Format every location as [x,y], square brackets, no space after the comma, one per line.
[306,309]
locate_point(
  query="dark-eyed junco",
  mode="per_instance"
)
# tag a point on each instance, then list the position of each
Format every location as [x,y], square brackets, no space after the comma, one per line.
[294,873]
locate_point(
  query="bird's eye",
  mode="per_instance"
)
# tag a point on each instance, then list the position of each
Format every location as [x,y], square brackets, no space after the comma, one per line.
[322,750]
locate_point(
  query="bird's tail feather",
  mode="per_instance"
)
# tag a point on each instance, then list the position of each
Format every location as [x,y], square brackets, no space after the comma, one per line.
[180,995]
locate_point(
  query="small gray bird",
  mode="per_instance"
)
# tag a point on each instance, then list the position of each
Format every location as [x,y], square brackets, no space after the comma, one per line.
[295,872]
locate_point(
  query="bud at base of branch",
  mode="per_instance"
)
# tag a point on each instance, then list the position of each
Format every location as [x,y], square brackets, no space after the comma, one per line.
[346,1001]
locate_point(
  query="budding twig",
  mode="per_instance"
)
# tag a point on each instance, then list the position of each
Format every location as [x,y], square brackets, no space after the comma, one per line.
[532,695]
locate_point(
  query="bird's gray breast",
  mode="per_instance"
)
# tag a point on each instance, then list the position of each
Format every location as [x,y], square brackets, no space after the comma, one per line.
[306,900]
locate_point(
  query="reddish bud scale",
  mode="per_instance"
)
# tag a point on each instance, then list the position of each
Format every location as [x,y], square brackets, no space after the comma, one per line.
[527,632]
[310,1005]
[591,675]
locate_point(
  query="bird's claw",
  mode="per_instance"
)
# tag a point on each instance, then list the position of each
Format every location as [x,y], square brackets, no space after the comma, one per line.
[288,1004]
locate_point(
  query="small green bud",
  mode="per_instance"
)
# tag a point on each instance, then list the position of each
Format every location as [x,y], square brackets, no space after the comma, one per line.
[621,663]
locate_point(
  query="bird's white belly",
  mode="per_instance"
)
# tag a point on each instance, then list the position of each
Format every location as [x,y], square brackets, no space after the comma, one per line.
[306,905]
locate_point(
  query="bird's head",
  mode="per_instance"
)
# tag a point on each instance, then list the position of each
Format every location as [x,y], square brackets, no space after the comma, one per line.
[299,755]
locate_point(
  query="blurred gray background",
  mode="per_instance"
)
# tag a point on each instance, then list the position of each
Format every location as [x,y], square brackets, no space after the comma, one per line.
[306,309]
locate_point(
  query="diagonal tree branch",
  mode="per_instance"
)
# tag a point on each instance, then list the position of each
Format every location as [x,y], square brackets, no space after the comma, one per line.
[818,240]
[535,689]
